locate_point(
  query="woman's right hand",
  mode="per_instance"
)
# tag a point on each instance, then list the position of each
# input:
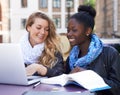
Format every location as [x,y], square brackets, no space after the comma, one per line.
[31,69]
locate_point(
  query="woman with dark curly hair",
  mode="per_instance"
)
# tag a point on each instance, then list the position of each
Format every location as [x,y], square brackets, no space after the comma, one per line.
[88,52]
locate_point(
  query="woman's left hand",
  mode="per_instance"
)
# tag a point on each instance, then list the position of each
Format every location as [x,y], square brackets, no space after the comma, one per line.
[77,69]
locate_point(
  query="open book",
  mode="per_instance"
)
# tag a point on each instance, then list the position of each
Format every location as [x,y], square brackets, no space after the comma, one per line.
[87,79]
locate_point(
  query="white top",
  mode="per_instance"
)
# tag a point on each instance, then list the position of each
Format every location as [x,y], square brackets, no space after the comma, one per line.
[30,54]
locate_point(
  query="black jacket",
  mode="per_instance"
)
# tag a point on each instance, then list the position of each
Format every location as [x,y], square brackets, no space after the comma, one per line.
[58,69]
[107,65]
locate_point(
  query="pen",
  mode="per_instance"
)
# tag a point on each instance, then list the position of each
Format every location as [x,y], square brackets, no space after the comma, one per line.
[36,84]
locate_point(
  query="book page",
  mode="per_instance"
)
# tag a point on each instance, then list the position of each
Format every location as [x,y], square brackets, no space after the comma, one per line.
[60,80]
[89,80]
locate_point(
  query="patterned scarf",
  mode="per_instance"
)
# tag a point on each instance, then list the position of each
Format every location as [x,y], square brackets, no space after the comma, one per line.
[94,51]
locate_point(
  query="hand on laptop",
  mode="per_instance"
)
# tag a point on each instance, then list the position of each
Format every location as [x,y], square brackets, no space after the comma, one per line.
[40,69]
[31,69]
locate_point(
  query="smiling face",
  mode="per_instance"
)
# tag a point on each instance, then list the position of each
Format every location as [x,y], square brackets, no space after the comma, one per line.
[77,33]
[38,31]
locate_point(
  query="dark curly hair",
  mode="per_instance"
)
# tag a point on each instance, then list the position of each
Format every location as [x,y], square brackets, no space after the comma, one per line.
[85,15]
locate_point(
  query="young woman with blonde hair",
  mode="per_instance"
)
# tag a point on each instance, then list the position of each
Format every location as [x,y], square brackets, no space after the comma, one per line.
[41,46]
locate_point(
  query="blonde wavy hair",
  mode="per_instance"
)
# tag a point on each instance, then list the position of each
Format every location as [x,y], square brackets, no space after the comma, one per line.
[52,42]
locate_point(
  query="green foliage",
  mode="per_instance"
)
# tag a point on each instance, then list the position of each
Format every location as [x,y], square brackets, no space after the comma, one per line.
[90,2]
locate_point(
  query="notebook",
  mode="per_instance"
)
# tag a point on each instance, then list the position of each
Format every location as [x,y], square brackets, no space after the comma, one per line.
[12,68]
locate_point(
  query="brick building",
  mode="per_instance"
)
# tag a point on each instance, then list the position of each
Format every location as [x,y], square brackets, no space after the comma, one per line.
[108,18]
[57,10]
[4,21]
[13,16]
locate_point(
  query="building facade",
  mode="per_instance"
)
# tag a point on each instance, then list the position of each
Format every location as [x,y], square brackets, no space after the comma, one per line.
[4,21]
[57,10]
[108,18]
[13,16]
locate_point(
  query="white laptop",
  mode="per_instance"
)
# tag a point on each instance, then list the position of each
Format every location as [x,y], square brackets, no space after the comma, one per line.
[12,68]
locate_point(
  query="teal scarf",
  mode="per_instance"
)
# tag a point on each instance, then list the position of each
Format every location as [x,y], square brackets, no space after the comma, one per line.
[94,51]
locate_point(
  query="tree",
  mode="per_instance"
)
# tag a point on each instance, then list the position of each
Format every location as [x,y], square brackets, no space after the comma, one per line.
[90,2]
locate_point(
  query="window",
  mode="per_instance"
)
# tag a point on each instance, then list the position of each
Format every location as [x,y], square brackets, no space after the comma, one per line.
[57,21]
[66,21]
[0,18]
[23,22]
[1,37]
[70,3]
[24,3]
[43,3]
[56,3]
[0,13]
[0,25]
